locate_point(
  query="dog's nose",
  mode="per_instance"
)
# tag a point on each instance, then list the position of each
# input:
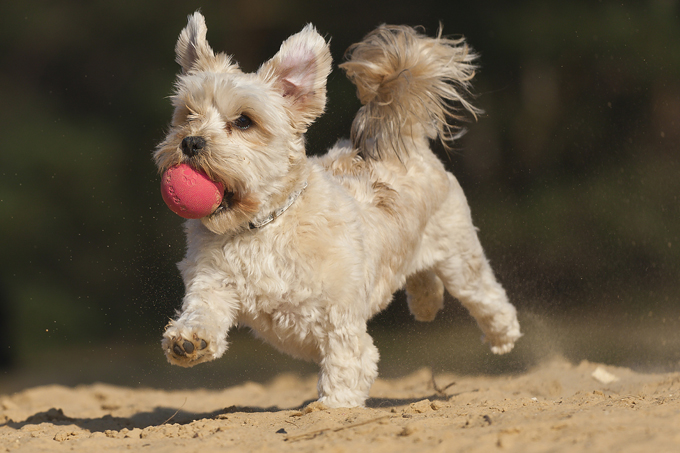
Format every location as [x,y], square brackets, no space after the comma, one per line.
[192,145]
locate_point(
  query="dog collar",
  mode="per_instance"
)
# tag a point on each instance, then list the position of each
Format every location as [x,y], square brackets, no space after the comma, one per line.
[274,215]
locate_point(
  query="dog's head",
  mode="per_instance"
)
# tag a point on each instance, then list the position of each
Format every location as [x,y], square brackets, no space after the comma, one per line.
[245,130]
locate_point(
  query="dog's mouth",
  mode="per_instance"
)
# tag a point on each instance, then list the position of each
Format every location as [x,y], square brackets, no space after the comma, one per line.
[229,199]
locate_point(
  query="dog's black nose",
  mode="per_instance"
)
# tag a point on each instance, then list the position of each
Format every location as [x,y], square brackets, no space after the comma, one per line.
[192,145]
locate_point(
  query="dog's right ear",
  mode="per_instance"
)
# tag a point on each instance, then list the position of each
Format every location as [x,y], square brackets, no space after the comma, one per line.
[192,47]
[299,71]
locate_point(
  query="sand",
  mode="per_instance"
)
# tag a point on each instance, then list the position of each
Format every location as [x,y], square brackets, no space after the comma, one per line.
[557,406]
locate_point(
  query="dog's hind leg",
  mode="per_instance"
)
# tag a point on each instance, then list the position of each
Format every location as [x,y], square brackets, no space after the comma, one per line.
[425,295]
[467,275]
[469,278]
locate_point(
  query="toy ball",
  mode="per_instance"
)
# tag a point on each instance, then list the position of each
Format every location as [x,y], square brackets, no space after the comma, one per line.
[189,193]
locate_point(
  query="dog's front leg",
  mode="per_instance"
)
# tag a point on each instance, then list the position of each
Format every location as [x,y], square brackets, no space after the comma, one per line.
[348,367]
[199,334]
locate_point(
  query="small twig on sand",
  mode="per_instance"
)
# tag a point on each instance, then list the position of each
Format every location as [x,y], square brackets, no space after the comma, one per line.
[176,412]
[441,391]
[313,434]
[288,421]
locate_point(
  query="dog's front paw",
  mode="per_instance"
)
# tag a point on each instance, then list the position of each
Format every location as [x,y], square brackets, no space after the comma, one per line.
[186,348]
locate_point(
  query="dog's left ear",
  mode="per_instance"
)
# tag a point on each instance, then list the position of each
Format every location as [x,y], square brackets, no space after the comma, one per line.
[192,48]
[299,71]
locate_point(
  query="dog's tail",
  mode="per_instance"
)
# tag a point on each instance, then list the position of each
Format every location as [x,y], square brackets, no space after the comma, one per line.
[411,87]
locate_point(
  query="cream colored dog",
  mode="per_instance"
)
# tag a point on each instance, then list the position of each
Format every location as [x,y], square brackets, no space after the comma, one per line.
[305,250]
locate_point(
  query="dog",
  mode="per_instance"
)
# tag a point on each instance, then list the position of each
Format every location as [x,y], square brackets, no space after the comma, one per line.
[305,250]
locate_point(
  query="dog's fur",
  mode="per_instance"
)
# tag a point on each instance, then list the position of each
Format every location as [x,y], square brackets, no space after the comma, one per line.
[377,214]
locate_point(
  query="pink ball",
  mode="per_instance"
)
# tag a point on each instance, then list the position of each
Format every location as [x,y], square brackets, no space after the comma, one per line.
[189,193]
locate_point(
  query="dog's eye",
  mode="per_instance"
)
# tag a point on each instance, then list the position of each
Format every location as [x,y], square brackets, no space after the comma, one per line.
[243,122]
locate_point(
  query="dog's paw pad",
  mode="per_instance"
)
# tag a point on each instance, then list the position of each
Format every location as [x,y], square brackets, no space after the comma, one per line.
[177,349]
[187,350]
[188,346]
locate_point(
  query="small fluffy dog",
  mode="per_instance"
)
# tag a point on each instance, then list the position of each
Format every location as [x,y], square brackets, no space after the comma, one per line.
[304,250]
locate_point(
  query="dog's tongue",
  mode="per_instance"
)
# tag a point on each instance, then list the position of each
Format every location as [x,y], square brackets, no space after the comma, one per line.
[189,193]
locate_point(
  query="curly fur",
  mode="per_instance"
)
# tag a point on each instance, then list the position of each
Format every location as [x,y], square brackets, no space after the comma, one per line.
[378,213]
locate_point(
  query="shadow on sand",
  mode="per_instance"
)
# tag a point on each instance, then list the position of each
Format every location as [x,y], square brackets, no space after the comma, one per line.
[165,415]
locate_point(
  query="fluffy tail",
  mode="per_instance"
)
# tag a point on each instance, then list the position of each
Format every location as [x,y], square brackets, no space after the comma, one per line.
[410,85]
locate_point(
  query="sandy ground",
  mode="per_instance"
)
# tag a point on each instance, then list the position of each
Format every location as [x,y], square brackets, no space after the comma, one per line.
[557,406]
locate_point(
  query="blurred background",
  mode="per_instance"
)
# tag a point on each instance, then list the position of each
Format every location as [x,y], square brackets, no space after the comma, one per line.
[573,177]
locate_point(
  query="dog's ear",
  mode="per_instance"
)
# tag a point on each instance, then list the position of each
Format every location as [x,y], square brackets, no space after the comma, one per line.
[192,47]
[299,71]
